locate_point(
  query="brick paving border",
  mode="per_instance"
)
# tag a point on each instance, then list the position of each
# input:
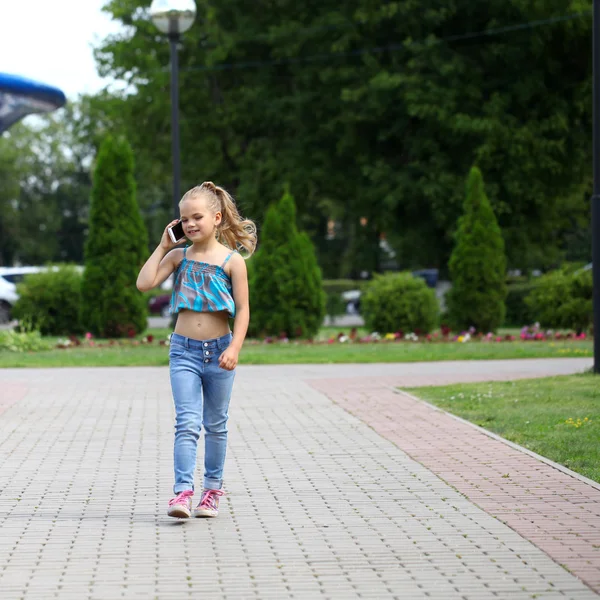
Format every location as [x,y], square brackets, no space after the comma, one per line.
[554,508]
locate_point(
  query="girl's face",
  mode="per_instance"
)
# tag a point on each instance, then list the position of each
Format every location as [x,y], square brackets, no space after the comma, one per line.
[198,219]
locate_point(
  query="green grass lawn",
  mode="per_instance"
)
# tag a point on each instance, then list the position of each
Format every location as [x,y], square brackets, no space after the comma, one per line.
[557,417]
[297,353]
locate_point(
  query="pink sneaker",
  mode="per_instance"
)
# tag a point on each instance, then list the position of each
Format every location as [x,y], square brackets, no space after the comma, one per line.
[181,505]
[209,505]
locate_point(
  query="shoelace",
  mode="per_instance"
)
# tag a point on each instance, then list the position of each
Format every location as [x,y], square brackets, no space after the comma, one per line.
[208,500]
[181,498]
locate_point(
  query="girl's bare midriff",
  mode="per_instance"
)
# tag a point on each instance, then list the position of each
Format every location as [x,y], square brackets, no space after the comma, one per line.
[202,325]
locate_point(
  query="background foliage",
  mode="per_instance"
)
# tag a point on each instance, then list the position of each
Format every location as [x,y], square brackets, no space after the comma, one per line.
[371,112]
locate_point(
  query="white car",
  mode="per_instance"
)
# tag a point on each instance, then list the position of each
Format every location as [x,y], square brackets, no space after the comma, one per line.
[9,277]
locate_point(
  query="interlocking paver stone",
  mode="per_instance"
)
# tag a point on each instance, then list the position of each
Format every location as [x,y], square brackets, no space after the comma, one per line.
[550,506]
[319,504]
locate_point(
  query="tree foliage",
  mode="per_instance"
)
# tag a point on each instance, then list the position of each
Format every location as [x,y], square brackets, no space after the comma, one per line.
[116,247]
[477,264]
[377,111]
[44,189]
[372,113]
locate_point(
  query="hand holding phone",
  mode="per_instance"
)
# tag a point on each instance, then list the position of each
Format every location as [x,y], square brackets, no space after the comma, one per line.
[176,232]
[172,235]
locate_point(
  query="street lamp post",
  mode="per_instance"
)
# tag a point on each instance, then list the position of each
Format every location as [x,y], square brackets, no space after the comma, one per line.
[596,193]
[174,17]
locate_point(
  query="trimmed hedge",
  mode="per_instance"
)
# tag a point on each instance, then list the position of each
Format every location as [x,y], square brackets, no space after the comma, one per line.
[50,301]
[399,302]
[562,299]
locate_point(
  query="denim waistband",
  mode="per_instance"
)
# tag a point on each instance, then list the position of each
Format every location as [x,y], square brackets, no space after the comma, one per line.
[199,344]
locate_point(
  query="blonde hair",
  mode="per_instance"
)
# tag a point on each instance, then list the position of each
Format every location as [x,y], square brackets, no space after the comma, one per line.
[234,231]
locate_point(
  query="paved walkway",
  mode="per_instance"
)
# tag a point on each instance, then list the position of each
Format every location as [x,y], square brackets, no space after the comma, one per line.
[326,499]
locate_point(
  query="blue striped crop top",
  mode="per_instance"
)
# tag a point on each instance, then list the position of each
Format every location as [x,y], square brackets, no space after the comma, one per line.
[202,287]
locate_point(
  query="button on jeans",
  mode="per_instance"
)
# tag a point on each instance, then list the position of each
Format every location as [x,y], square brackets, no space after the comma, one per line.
[201,394]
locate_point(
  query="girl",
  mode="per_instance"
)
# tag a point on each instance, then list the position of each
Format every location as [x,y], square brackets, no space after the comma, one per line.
[211,285]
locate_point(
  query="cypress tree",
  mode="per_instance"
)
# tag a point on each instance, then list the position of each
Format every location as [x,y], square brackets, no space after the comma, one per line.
[286,294]
[116,247]
[477,264]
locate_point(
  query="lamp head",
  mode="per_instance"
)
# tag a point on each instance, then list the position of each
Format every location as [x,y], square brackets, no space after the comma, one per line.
[173,16]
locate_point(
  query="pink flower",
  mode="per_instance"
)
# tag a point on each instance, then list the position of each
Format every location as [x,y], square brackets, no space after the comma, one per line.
[88,336]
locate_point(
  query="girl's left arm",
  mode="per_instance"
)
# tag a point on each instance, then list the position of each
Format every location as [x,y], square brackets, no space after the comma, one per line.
[239,281]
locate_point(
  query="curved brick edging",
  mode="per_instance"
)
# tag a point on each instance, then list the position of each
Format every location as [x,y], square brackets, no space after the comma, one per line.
[557,512]
[11,393]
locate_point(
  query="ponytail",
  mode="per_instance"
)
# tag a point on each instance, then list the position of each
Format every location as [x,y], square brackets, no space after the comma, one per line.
[234,231]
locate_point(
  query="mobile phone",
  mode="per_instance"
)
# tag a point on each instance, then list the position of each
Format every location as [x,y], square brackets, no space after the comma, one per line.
[176,232]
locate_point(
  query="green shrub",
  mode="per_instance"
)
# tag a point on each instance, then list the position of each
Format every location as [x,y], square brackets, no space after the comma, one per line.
[286,293]
[562,299]
[399,302]
[23,341]
[116,248]
[50,301]
[518,312]
[477,264]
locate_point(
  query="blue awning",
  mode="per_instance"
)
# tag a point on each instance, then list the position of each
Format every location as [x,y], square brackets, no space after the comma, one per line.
[20,97]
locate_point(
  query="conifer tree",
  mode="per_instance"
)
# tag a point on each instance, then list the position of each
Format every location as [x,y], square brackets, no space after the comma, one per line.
[477,264]
[116,247]
[286,284]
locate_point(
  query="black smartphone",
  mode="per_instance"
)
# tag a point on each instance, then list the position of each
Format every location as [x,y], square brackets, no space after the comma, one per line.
[176,232]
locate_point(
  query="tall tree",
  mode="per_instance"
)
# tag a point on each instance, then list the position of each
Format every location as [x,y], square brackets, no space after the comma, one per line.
[116,247]
[477,264]
[286,293]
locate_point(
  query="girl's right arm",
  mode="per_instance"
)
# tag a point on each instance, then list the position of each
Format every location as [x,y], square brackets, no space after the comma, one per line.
[161,263]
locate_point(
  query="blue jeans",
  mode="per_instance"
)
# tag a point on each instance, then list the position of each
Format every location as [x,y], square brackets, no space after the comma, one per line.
[201,393]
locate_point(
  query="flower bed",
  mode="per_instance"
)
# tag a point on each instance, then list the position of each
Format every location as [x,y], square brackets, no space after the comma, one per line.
[444,335]
[74,342]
